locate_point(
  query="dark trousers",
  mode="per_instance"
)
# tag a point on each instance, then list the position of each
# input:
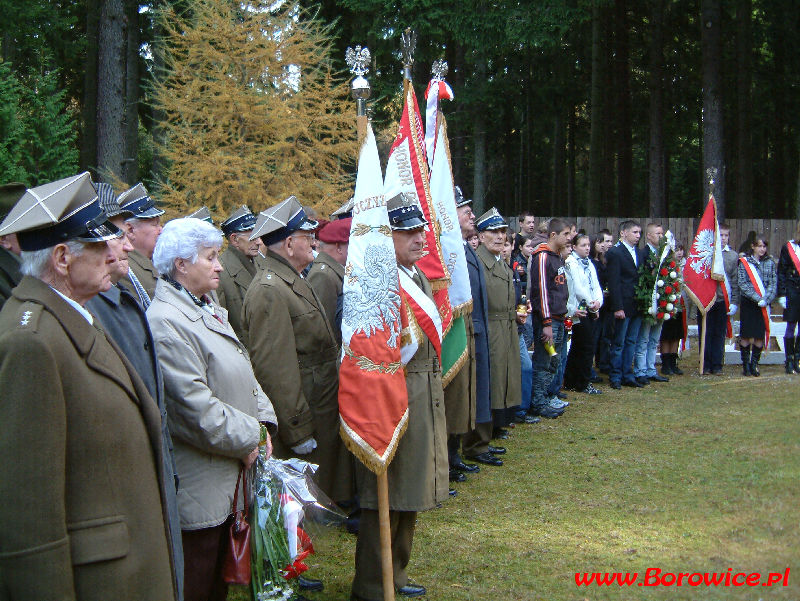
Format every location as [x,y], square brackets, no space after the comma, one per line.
[204,553]
[368,581]
[477,442]
[716,322]
[578,373]
[603,332]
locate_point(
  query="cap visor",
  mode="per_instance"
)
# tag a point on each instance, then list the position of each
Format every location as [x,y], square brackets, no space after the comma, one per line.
[105,231]
[147,214]
[412,223]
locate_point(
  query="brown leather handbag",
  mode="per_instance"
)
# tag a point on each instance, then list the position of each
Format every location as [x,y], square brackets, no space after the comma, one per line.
[236,569]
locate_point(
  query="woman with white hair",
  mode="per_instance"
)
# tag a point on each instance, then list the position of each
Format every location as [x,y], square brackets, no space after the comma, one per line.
[214,402]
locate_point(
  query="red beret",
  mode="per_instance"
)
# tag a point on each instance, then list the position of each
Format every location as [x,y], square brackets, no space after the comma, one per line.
[336,231]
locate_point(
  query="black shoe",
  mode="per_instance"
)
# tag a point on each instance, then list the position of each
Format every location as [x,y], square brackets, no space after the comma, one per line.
[497,450]
[745,355]
[657,378]
[754,359]
[309,584]
[549,412]
[615,385]
[632,384]
[596,380]
[456,476]
[486,458]
[466,467]
[666,364]
[675,369]
[411,590]
[452,492]
[562,396]
[644,381]
[500,433]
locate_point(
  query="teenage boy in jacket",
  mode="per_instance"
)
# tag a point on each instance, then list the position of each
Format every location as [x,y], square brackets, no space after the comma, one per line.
[549,295]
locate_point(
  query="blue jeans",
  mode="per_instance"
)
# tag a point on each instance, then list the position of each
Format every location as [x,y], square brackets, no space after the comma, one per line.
[527,377]
[623,348]
[646,346]
[545,366]
[558,379]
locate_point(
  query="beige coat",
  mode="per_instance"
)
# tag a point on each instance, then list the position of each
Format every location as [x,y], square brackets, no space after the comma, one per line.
[505,366]
[326,277]
[295,358]
[418,474]
[234,281]
[460,394]
[83,514]
[214,403]
[145,271]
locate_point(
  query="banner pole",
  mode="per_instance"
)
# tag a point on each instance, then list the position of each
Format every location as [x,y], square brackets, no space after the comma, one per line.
[703,342]
[386,537]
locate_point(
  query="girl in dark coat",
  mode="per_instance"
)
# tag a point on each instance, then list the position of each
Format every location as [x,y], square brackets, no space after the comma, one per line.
[789,298]
[753,327]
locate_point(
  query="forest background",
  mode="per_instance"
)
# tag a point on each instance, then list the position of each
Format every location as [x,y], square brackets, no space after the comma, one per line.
[562,107]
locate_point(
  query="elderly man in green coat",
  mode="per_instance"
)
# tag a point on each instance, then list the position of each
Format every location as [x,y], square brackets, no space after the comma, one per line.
[84,510]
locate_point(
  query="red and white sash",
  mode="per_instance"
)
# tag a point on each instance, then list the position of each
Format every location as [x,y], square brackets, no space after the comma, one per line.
[423,317]
[793,255]
[758,286]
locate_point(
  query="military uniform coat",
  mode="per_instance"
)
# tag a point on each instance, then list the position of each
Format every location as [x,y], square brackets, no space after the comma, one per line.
[459,394]
[145,271]
[9,274]
[214,403]
[480,327]
[234,281]
[418,474]
[83,504]
[295,358]
[326,277]
[506,368]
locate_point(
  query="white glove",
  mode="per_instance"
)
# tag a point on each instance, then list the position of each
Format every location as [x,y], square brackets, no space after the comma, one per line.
[762,303]
[306,447]
[782,301]
[732,309]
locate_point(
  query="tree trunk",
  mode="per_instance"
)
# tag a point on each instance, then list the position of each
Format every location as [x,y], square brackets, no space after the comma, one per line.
[111,90]
[597,122]
[744,107]
[656,181]
[130,165]
[457,150]
[571,201]
[713,140]
[88,140]
[479,143]
[623,110]
[558,205]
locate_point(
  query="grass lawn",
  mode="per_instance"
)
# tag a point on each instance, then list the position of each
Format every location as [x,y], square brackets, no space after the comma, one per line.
[698,475]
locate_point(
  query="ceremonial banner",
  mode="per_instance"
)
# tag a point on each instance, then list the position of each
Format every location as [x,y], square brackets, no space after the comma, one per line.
[454,345]
[704,267]
[407,172]
[373,400]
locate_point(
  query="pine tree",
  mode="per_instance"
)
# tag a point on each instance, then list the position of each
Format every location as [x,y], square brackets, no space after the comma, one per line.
[254,111]
[12,127]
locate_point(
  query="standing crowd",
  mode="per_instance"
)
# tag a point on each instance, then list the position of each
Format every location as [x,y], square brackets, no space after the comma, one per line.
[143,367]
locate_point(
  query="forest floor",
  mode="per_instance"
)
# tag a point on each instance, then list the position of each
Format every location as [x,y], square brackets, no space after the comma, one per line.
[701,474]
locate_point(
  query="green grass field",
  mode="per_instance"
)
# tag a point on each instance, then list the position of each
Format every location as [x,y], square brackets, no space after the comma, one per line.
[698,475]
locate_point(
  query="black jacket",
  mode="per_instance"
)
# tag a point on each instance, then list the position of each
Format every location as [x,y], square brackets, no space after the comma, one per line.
[549,292]
[622,276]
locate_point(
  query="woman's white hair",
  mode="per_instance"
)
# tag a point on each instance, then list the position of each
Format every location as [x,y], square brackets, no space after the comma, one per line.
[182,239]
[36,262]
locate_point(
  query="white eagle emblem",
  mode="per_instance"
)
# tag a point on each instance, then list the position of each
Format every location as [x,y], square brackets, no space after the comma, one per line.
[372,299]
[701,255]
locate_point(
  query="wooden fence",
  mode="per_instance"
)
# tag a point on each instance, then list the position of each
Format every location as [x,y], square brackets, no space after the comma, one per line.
[778,231]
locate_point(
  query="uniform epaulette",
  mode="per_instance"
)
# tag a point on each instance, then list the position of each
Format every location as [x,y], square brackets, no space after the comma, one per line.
[29,314]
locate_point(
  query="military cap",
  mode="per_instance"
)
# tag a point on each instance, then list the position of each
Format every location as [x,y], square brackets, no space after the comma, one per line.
[9,195]
[345,211]
[281,221]
[460,200]
[405,213]
[241,220]
[490,220]
[203,214]
[67,209]
[138,202]
[336,231]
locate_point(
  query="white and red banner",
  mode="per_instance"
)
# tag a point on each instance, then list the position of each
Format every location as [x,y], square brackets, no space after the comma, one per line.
[704,268]
[372,324]
[407,172]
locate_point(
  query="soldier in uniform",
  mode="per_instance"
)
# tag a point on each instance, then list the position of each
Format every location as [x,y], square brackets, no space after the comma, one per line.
[238,264]
[417,475]
[326,275]
[10,275]
[143,226]
[84,506]
[506,368]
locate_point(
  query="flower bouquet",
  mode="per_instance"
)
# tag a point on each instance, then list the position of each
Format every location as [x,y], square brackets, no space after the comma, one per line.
[284,499]
[658,291]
